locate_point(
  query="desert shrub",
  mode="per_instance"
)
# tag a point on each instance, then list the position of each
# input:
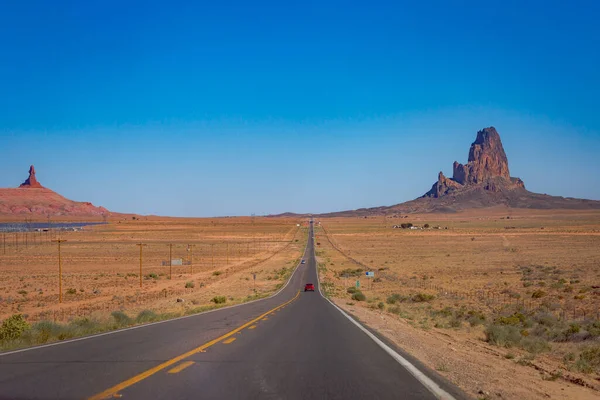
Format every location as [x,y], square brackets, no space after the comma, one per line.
[589,360]
[146,316]
[445,312]
[219,299]
[535,345]
[422,297]
[426,226]
[593,328]
[189,285]
[395,298]
[381,305]
[538,294]
[217,273]
[455,322]
[475,318]
[22,292]
[13,327]
[41,332]
[546,319]
[71,291]
[121,319]
[515,319]
[352,290]
[151,276]
[359,296]
[406,225]
[527,284]
[503,335]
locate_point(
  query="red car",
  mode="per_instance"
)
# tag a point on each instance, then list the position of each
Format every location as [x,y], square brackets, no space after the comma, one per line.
[309,286]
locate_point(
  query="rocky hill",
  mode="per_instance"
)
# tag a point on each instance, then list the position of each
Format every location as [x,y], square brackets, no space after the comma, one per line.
[32,199]
[484,181]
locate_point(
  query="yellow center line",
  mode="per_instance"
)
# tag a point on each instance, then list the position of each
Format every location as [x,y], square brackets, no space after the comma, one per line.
[229,340]
[146,374]
[180,367]
[252,327]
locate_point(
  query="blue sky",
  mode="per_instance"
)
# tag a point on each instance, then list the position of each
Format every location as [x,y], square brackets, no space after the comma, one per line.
[203,109]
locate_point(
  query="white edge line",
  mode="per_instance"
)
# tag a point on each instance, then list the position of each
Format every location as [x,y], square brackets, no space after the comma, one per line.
[158,322]
[433,387]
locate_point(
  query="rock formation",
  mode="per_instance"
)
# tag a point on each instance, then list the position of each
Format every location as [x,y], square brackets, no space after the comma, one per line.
[31,181]
[32,199]
[483,182]
[487,167]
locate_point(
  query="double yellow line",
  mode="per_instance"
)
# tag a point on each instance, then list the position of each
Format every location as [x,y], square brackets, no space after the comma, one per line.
[140,377]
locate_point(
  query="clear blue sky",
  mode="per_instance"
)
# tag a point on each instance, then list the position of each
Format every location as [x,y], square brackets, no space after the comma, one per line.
[225,108]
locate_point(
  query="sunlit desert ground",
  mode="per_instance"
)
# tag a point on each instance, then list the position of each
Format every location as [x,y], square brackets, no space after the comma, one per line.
[533,274]
[239,258]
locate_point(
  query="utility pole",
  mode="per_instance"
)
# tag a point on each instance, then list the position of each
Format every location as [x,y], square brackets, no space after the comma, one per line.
[191,248]
[141,247]
[59,241]
[170,261]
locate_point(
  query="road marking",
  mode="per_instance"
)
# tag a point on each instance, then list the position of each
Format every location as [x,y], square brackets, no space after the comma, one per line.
[146,374]
[229,340]
[180,367]
[252,327]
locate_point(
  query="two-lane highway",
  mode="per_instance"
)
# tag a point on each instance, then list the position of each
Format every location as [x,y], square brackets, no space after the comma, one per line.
[294,345]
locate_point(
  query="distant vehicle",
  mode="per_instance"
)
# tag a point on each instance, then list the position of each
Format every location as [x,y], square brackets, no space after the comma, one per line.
[303,262]
[309,286]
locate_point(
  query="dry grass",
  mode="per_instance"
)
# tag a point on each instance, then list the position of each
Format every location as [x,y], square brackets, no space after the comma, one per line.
[101,265]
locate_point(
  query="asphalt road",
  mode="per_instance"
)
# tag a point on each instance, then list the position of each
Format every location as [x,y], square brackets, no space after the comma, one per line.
[294,345]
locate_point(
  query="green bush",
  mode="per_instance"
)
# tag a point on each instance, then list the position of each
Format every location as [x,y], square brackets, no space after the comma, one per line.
[189,285]
[217,273]
[359,296]
[13,327]
[151,276]
[71,291]
[219,299]
[121,318]
[422,297]
[503,335]
[352,290]
[146,316]
[381,305]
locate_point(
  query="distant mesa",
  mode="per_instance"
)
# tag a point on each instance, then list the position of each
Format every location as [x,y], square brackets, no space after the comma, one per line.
[487,167]
[31,181]
[32,199]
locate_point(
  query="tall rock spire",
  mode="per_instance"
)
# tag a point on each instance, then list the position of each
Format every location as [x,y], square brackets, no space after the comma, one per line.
[31,181]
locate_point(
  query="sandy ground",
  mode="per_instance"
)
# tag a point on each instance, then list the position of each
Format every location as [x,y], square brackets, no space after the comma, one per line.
[232,257]
[486,263]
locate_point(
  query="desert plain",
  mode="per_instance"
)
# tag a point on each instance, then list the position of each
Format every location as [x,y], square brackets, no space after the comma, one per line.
[503,302]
